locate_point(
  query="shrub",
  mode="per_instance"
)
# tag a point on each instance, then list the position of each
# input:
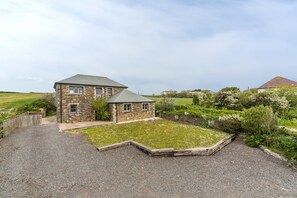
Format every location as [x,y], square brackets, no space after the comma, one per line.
[254,140]
[259,120]
[200,98]
[165,104]
[47,103]
[202,112]
[286,144]
[244,99]
[289,93]
[101,109]
[230,123]
[271,98]
[292,114]
[227,97]
[195,100]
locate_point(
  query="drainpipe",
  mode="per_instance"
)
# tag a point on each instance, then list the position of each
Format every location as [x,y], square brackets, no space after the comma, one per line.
[61,113]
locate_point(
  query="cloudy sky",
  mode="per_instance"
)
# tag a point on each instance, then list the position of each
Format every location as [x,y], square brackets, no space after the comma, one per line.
[147,45]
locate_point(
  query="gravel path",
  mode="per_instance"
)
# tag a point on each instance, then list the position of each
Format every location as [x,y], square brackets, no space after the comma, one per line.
[41,162]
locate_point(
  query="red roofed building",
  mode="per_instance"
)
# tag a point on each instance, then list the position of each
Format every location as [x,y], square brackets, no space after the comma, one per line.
[277,82]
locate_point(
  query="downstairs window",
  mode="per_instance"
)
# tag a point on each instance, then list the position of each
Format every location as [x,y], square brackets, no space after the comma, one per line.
[127,107]
[73,108]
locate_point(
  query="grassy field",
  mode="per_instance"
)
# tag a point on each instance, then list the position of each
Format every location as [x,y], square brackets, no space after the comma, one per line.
[10,101]
[155,134]
[178,101]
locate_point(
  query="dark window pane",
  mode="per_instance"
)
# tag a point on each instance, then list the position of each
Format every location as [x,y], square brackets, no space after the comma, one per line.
[127,107]
[98,91]
[75,90]
[109,91]
[144,106]
[73,108]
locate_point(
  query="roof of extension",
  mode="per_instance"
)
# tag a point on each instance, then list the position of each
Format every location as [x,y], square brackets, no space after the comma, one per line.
[126,96]
[81,79]
[277,82]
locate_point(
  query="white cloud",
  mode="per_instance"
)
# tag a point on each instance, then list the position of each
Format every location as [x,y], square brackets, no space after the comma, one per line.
[148,46]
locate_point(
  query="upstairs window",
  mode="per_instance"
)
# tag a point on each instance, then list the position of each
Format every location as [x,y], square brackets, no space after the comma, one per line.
[145,107]
[109,91]
[127,107]
[98,91]
[75,90]
[72,108]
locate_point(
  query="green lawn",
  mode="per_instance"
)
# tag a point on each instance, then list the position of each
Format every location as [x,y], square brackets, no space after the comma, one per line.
[155,134]
[9,101]
[178,101]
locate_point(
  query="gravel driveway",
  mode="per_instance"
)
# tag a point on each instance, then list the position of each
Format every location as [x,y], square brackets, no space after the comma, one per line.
[41,162]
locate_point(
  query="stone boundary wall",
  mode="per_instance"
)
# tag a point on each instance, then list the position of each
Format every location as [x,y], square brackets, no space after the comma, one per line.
[23,120]
[269,152]
[170,152]
[185,119]
[277,156]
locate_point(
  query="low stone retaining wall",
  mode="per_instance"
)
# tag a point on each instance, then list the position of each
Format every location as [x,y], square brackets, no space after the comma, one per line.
[23,120]
[170,152]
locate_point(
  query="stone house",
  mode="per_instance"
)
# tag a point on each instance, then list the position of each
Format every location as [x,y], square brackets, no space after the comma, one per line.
[277,82]
[75,95]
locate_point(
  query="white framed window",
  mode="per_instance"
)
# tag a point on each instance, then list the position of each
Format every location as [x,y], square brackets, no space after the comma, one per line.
[98,91]
[109,91]
[127,108]
[76,90]
[73,108]
[145,106]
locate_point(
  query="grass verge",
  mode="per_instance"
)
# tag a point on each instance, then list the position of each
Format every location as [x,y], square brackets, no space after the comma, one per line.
[289,123]
[155,134]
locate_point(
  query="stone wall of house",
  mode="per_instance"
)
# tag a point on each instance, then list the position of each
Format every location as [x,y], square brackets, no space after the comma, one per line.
[115,90]
[112,111]
[84,101]
[136,114]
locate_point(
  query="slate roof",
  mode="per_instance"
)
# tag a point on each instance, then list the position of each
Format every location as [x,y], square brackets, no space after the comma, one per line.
[126,96]
[81,79]
[277,82]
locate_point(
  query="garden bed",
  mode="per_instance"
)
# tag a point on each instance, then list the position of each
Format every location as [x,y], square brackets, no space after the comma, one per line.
[157,134]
